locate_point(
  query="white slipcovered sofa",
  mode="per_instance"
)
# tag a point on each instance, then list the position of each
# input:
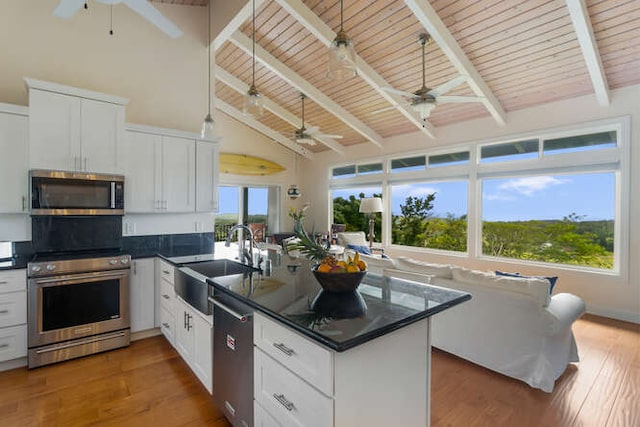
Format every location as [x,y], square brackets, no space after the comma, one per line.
[511,325]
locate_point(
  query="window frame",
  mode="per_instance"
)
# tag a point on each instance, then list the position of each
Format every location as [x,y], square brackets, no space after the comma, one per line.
[608,159]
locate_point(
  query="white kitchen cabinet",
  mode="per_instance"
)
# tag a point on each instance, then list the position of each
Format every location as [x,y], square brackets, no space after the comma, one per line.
[13,314]
[14,162]
[193,340]
[165,300]
[73,129]
[207,154]
[160,173]
[142,294]
[384,381]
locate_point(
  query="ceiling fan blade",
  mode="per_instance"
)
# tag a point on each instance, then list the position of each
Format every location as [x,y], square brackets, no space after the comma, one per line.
[381,110]
[67,8]
[458,99]
[151,14]
[399,92]
[306,140]
[446,87]
[325,135]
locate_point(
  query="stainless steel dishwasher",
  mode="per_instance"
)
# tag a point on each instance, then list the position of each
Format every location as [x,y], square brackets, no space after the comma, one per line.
[233,359]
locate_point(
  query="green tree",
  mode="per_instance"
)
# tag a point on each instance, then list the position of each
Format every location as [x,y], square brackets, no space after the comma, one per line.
[410,228]
[347,211]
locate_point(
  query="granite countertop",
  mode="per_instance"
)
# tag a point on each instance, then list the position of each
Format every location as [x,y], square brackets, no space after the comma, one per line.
[292,296]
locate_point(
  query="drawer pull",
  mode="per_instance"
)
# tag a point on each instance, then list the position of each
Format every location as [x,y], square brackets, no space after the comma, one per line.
[284,402]
[283,348]
[3,282]
[165,296]
[4,311]
[4,346]
[166,271]
[166,325]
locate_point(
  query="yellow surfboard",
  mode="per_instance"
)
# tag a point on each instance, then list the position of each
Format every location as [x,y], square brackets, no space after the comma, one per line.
[242,164]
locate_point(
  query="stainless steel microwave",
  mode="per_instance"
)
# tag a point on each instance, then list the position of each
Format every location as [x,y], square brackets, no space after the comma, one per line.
[76,193]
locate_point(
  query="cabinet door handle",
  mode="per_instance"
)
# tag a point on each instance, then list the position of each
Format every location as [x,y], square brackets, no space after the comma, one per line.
[135,267]
[4,346]
[289,406]
[283,348]
[165,296]
[166,325]
[4,311]
[24,203]
[3,282]
[189,325]
[85,165]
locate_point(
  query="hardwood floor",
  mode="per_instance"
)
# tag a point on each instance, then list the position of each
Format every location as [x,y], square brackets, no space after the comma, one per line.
[147,384]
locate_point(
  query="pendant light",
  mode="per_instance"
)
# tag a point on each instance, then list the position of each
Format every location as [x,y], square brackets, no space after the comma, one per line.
[342,55]
[208,124]
[253,102]
[293,192]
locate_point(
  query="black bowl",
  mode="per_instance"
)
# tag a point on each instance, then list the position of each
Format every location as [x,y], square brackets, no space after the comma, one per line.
[339,282]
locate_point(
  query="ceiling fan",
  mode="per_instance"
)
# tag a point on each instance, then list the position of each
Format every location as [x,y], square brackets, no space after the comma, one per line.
[309,135]
[67,8]
[425,99]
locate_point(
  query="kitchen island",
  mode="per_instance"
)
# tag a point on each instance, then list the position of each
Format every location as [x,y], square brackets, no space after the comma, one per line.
[314,368]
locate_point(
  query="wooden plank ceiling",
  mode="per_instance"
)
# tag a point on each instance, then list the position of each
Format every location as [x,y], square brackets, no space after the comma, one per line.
[522,52]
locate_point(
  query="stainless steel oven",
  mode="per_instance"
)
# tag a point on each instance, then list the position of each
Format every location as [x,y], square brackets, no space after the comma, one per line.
[77,307]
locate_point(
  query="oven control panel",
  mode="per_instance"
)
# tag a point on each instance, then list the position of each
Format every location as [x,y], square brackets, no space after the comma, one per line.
[78,265]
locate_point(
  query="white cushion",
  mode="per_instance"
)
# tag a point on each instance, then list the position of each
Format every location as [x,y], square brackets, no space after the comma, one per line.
[347,238]
[536,288]
[415,266]
[376,264]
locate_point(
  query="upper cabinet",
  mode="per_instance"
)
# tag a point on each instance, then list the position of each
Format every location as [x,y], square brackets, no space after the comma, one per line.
[207,154]
[74,129]
[14,161]
[160,173]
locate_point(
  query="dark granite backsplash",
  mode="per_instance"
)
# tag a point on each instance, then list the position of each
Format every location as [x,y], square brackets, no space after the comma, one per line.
[169,245]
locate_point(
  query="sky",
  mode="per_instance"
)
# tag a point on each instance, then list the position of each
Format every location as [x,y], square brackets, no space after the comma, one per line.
[591,196]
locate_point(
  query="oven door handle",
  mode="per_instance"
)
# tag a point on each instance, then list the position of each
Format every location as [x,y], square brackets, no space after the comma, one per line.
[58,279]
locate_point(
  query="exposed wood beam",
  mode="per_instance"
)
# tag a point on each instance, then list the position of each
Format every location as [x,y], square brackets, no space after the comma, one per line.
[582,26]
[325,34]
[295,80]
[238,85]
[450,47]
[265,130]
[234,24]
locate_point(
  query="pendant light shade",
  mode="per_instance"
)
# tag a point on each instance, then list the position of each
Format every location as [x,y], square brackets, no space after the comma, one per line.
[341,63]
[253,104]
[208,125]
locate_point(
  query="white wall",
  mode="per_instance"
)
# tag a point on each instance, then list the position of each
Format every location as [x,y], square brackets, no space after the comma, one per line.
[165,80]
[617,297]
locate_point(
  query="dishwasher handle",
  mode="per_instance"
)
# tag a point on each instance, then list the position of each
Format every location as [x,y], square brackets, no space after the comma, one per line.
[241,317]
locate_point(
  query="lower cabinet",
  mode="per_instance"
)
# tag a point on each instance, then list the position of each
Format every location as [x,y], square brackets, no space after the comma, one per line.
[382,382]
[13,314]
[142,294]
[193,340]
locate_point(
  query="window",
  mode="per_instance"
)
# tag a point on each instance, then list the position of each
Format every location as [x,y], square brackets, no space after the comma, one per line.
[565,219]
[558,197]
[257,207]
[519,150]
[449,159]
[594,141]
[430,215]
[346,205]
[351,171]
[408,164]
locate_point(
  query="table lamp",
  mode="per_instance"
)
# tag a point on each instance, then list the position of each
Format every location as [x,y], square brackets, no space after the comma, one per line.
[371,206]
